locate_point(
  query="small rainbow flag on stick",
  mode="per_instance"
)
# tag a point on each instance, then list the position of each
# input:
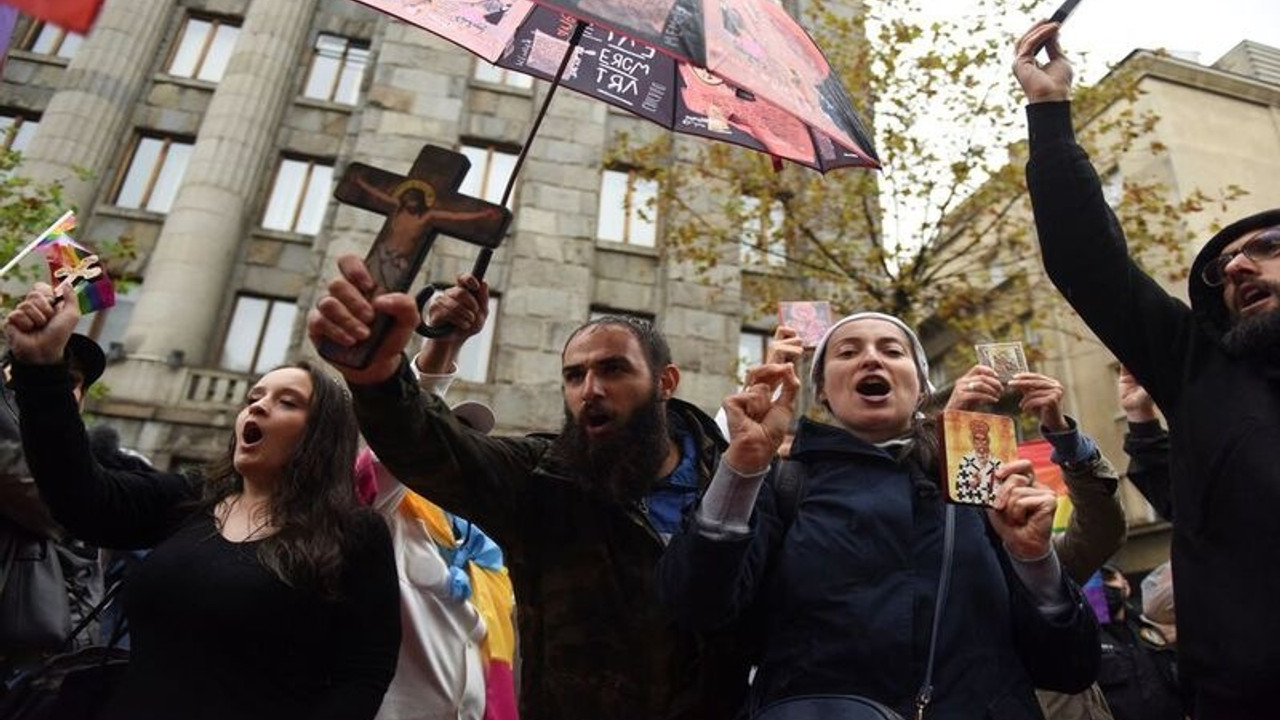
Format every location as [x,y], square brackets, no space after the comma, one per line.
[71,264]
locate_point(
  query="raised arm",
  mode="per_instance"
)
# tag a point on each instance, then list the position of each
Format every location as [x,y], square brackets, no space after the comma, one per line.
[1083,246]
[413,432]
[712,568]
[1147,445]
[1097,528]
[120,509]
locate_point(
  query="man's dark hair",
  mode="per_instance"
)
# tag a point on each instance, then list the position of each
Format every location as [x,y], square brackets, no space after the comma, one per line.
[656,351]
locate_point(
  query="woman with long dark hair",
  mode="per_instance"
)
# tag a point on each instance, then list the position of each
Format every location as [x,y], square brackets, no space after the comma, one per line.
[837,558]
[270,593]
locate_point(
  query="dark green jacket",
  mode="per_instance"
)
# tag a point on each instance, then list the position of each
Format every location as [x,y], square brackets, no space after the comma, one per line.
[594,643]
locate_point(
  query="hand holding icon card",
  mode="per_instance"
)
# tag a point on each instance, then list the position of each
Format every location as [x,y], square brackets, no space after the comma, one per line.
[974,446]
[809,318]
[1007,359]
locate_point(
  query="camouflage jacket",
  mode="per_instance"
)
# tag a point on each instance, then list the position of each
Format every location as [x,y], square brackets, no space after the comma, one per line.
[594,642]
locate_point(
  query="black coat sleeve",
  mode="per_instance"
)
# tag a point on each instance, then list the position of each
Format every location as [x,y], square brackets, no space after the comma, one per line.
[1087,258]
[484,479]
[1147,445]
[125,509]
[708,583]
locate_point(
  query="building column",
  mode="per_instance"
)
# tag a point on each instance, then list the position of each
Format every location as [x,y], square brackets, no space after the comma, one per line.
[189,273]
[85,118]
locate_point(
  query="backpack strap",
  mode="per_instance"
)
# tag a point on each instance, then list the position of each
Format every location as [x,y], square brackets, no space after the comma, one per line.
[925,696]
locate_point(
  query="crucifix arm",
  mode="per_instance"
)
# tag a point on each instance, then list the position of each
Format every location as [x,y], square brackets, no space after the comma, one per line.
[376,194]
[489,213]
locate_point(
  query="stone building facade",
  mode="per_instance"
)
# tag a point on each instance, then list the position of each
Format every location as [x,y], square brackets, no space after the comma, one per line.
[211,133]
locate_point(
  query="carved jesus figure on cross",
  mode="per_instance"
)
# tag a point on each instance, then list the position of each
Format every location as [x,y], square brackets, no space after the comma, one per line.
[418,206]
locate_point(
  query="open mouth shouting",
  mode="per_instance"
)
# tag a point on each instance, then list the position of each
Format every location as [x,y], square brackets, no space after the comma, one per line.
[1253,297]
[250,435]
[596,420]
[873,388]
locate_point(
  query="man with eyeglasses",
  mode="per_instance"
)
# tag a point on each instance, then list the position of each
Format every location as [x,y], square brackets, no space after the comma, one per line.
[1213,368]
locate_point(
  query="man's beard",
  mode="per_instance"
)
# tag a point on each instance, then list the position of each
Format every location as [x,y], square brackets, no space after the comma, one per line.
[623,464]
[1256,336]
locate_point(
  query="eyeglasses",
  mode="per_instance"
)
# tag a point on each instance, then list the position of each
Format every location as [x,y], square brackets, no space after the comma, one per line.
[1263,246]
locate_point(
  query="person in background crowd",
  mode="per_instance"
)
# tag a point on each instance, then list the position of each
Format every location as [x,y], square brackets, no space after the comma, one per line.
[844,583]
[456,599]
[28,533]
[1213,368]
[1147,444]
[1139,671]
[270,593]
[582,517]
[1097,528]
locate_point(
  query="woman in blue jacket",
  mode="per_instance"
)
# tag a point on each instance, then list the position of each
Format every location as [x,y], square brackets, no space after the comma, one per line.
[836,581]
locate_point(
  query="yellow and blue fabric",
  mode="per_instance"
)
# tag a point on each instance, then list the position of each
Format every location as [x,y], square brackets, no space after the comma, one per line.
[477,574]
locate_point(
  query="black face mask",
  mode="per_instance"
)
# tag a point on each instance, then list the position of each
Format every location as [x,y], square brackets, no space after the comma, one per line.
[1115,599]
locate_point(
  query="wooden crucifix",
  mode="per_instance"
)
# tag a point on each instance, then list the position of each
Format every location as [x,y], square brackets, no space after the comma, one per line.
[419,205]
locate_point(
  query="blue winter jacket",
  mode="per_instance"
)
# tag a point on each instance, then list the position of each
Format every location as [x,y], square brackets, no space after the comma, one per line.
[842,600]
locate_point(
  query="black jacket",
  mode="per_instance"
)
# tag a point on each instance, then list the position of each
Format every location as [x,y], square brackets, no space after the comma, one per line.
[844,594]
[594,643]
[1223,413]
[1147,445]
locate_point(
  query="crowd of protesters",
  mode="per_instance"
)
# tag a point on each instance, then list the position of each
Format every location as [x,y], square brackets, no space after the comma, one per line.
[649,563]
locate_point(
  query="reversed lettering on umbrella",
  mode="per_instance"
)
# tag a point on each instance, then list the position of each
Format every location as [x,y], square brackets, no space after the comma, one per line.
[622,66]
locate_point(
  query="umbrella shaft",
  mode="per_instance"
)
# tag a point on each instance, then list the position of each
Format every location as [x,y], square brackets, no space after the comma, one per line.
[578,29]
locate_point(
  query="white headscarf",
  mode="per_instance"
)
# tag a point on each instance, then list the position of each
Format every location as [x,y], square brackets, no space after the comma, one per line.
[917,350]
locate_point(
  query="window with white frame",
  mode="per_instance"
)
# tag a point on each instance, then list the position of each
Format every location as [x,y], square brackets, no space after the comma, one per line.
[107,326]
[154,174]
[299,196]
[258,337]
[203,49]
[49,39]
[473,358]
[628,209]
[16,131]
[490,171]
[752,345]
[762,243]
[337,67]
[490,73]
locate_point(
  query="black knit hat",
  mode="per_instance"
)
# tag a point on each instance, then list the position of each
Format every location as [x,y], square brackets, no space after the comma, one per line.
[85,357]
[1207,301]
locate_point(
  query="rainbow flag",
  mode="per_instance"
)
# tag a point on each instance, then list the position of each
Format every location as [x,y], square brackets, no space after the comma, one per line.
[71,263]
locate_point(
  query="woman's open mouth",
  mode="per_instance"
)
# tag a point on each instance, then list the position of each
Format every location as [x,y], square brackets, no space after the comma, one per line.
[873,387]
[250,434]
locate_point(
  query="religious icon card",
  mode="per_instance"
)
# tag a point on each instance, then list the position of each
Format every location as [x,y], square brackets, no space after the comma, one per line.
[974,446]
[809,318]
[1007,359]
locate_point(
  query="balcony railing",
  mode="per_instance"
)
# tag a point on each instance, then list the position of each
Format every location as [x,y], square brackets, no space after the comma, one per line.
[214,389]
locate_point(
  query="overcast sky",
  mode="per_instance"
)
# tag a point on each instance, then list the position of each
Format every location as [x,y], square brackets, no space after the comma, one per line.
[1109,29]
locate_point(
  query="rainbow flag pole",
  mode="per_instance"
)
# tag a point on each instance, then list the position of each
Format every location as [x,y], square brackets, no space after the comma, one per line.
[58,225]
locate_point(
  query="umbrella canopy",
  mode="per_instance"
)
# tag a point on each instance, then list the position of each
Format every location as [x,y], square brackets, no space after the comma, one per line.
[741,71]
